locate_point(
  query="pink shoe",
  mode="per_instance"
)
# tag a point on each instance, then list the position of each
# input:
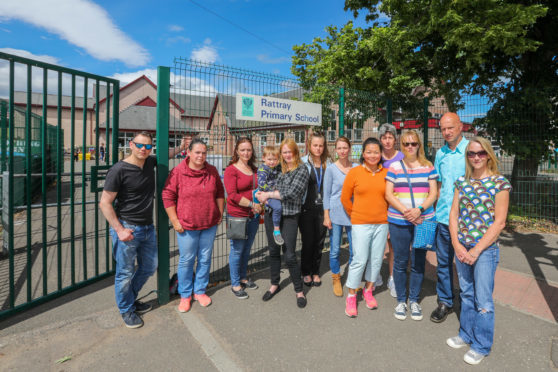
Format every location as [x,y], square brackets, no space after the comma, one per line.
[351,307]
[184,305]
[203,299]
[371,302]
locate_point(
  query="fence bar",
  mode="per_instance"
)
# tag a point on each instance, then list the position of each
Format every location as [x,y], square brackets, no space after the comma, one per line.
[59,180]
[389,109]
[11,188]
[72,183]
[83,170]
[163,96]
[28,165]
[97,164]
[107,159]
[44,181]
[115,117]
[341,111]
[425,123]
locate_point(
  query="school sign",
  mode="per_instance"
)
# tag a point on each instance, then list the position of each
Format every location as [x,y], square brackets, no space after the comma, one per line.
[277,110]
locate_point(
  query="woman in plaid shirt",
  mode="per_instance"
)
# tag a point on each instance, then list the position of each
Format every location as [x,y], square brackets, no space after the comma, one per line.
[291,186]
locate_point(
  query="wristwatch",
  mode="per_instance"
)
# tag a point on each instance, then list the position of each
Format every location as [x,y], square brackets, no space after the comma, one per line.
[421,208]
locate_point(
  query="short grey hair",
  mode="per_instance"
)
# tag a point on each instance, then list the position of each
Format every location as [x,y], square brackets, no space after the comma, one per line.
[387,128]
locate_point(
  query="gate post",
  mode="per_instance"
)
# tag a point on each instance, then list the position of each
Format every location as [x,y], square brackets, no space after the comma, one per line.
[389,110]
[341,111]
[162,137]
[425,126]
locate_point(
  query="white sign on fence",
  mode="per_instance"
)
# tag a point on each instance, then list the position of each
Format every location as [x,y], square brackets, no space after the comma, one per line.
[277,110]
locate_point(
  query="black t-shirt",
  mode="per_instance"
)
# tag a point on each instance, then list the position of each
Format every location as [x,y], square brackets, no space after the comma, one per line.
[312,193]
[135,188]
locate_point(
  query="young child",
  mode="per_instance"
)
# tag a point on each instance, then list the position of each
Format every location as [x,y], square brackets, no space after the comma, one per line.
[267,177]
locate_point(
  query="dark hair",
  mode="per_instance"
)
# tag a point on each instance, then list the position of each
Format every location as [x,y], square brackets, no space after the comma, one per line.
[252,160]
[325,153]
[371,141]
[196,141]
[145,134]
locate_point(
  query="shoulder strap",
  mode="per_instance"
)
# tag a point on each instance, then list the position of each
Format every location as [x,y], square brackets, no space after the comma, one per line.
[409,181]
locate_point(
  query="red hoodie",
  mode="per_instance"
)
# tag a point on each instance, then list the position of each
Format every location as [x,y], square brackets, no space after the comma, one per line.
[194,192]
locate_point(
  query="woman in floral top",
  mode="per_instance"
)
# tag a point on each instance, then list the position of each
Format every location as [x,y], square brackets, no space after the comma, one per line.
[478,215]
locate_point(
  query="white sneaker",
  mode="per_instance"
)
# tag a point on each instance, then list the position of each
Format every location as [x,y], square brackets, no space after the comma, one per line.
[472,357]
[456,342]
[379,282]
[416,311]
[400,311]
[391,286]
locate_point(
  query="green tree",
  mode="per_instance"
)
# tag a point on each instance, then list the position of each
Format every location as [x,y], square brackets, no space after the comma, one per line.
[501,49]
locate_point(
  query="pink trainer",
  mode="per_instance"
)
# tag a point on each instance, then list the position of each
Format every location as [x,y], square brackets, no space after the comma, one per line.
[351,307]
[185,304]
[203,299]
[371,302]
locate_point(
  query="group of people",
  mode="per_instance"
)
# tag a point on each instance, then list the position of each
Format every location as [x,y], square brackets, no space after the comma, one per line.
[379,202]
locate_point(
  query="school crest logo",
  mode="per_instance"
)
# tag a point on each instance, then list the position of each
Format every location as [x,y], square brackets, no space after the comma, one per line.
[248,106]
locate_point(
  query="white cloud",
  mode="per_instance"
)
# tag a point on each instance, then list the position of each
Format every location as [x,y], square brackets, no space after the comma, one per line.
[207,53]
[128,77]
[264,58]
[175,28]
[82,23]
[27,54]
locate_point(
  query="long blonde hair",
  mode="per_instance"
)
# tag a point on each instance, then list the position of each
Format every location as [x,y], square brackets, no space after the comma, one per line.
[325,154]
[420,154]
[491,164]
[291,144]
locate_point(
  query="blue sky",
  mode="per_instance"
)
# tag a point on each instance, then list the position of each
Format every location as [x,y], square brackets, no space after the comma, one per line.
[125,39]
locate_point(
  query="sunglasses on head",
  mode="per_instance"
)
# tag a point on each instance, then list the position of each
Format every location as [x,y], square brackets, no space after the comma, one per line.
[140,146]
[414,144]
[481,154]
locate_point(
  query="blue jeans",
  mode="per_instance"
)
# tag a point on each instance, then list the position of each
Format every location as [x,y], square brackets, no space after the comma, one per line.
[194,244]
[444,255]
[401,238]
[335,237]
[128,280]
[369,242]
[476,323]
[276,211]
[240,253]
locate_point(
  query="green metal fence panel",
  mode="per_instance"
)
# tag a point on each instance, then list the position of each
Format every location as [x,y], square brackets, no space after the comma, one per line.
[48,212]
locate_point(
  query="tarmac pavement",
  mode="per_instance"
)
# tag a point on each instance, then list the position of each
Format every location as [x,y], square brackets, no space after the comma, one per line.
[253,335]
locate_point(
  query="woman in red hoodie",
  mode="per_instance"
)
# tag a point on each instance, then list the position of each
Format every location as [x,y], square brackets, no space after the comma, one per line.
[194,190]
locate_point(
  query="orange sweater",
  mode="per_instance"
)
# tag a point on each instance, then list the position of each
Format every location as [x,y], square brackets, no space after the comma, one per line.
[368,192]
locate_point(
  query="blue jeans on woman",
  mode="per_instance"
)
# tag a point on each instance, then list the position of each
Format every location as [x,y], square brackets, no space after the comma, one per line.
[240,253]
[476,323]
[128,280]
[369,243]
[194,244]
[401,238]
[335,237]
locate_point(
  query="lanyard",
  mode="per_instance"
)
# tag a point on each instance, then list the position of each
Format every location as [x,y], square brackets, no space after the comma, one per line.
[319,176]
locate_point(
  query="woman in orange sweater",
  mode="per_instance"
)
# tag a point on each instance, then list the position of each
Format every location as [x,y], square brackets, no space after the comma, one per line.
[363,197]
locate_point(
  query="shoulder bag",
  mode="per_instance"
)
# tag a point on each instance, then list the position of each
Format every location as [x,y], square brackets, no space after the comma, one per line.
[425,233]
[237,227]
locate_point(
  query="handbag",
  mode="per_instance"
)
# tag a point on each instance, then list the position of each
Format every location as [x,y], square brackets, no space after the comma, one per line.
[237,227]
[425,233]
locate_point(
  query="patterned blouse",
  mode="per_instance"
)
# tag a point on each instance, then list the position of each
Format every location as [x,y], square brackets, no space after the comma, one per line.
[477,203]
[292,185]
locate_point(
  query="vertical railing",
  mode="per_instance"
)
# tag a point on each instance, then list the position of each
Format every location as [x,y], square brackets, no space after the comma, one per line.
[163,96]
[341,111]
[425,123]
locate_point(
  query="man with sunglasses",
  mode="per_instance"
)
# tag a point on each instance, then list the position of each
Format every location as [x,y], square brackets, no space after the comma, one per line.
[130,184]
[450,165]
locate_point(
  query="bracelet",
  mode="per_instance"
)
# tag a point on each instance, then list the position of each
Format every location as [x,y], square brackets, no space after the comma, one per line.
[251,204]
[421,208]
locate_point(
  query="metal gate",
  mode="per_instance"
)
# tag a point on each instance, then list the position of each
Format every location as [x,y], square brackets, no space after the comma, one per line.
[202,102]
[54,121]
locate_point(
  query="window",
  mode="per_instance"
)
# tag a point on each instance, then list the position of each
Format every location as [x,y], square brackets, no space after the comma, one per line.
[263,139]
[349,134]
[357,135]
[279,137]
[331,135]
[300,136]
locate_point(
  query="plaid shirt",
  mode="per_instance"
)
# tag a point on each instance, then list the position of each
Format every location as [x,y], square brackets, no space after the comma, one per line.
[292,186]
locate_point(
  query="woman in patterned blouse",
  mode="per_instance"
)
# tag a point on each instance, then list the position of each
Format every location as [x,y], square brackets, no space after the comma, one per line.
[478,215]
[291,186]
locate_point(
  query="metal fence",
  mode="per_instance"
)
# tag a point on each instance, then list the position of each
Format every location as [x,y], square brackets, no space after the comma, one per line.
[54,239]
[202,100]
